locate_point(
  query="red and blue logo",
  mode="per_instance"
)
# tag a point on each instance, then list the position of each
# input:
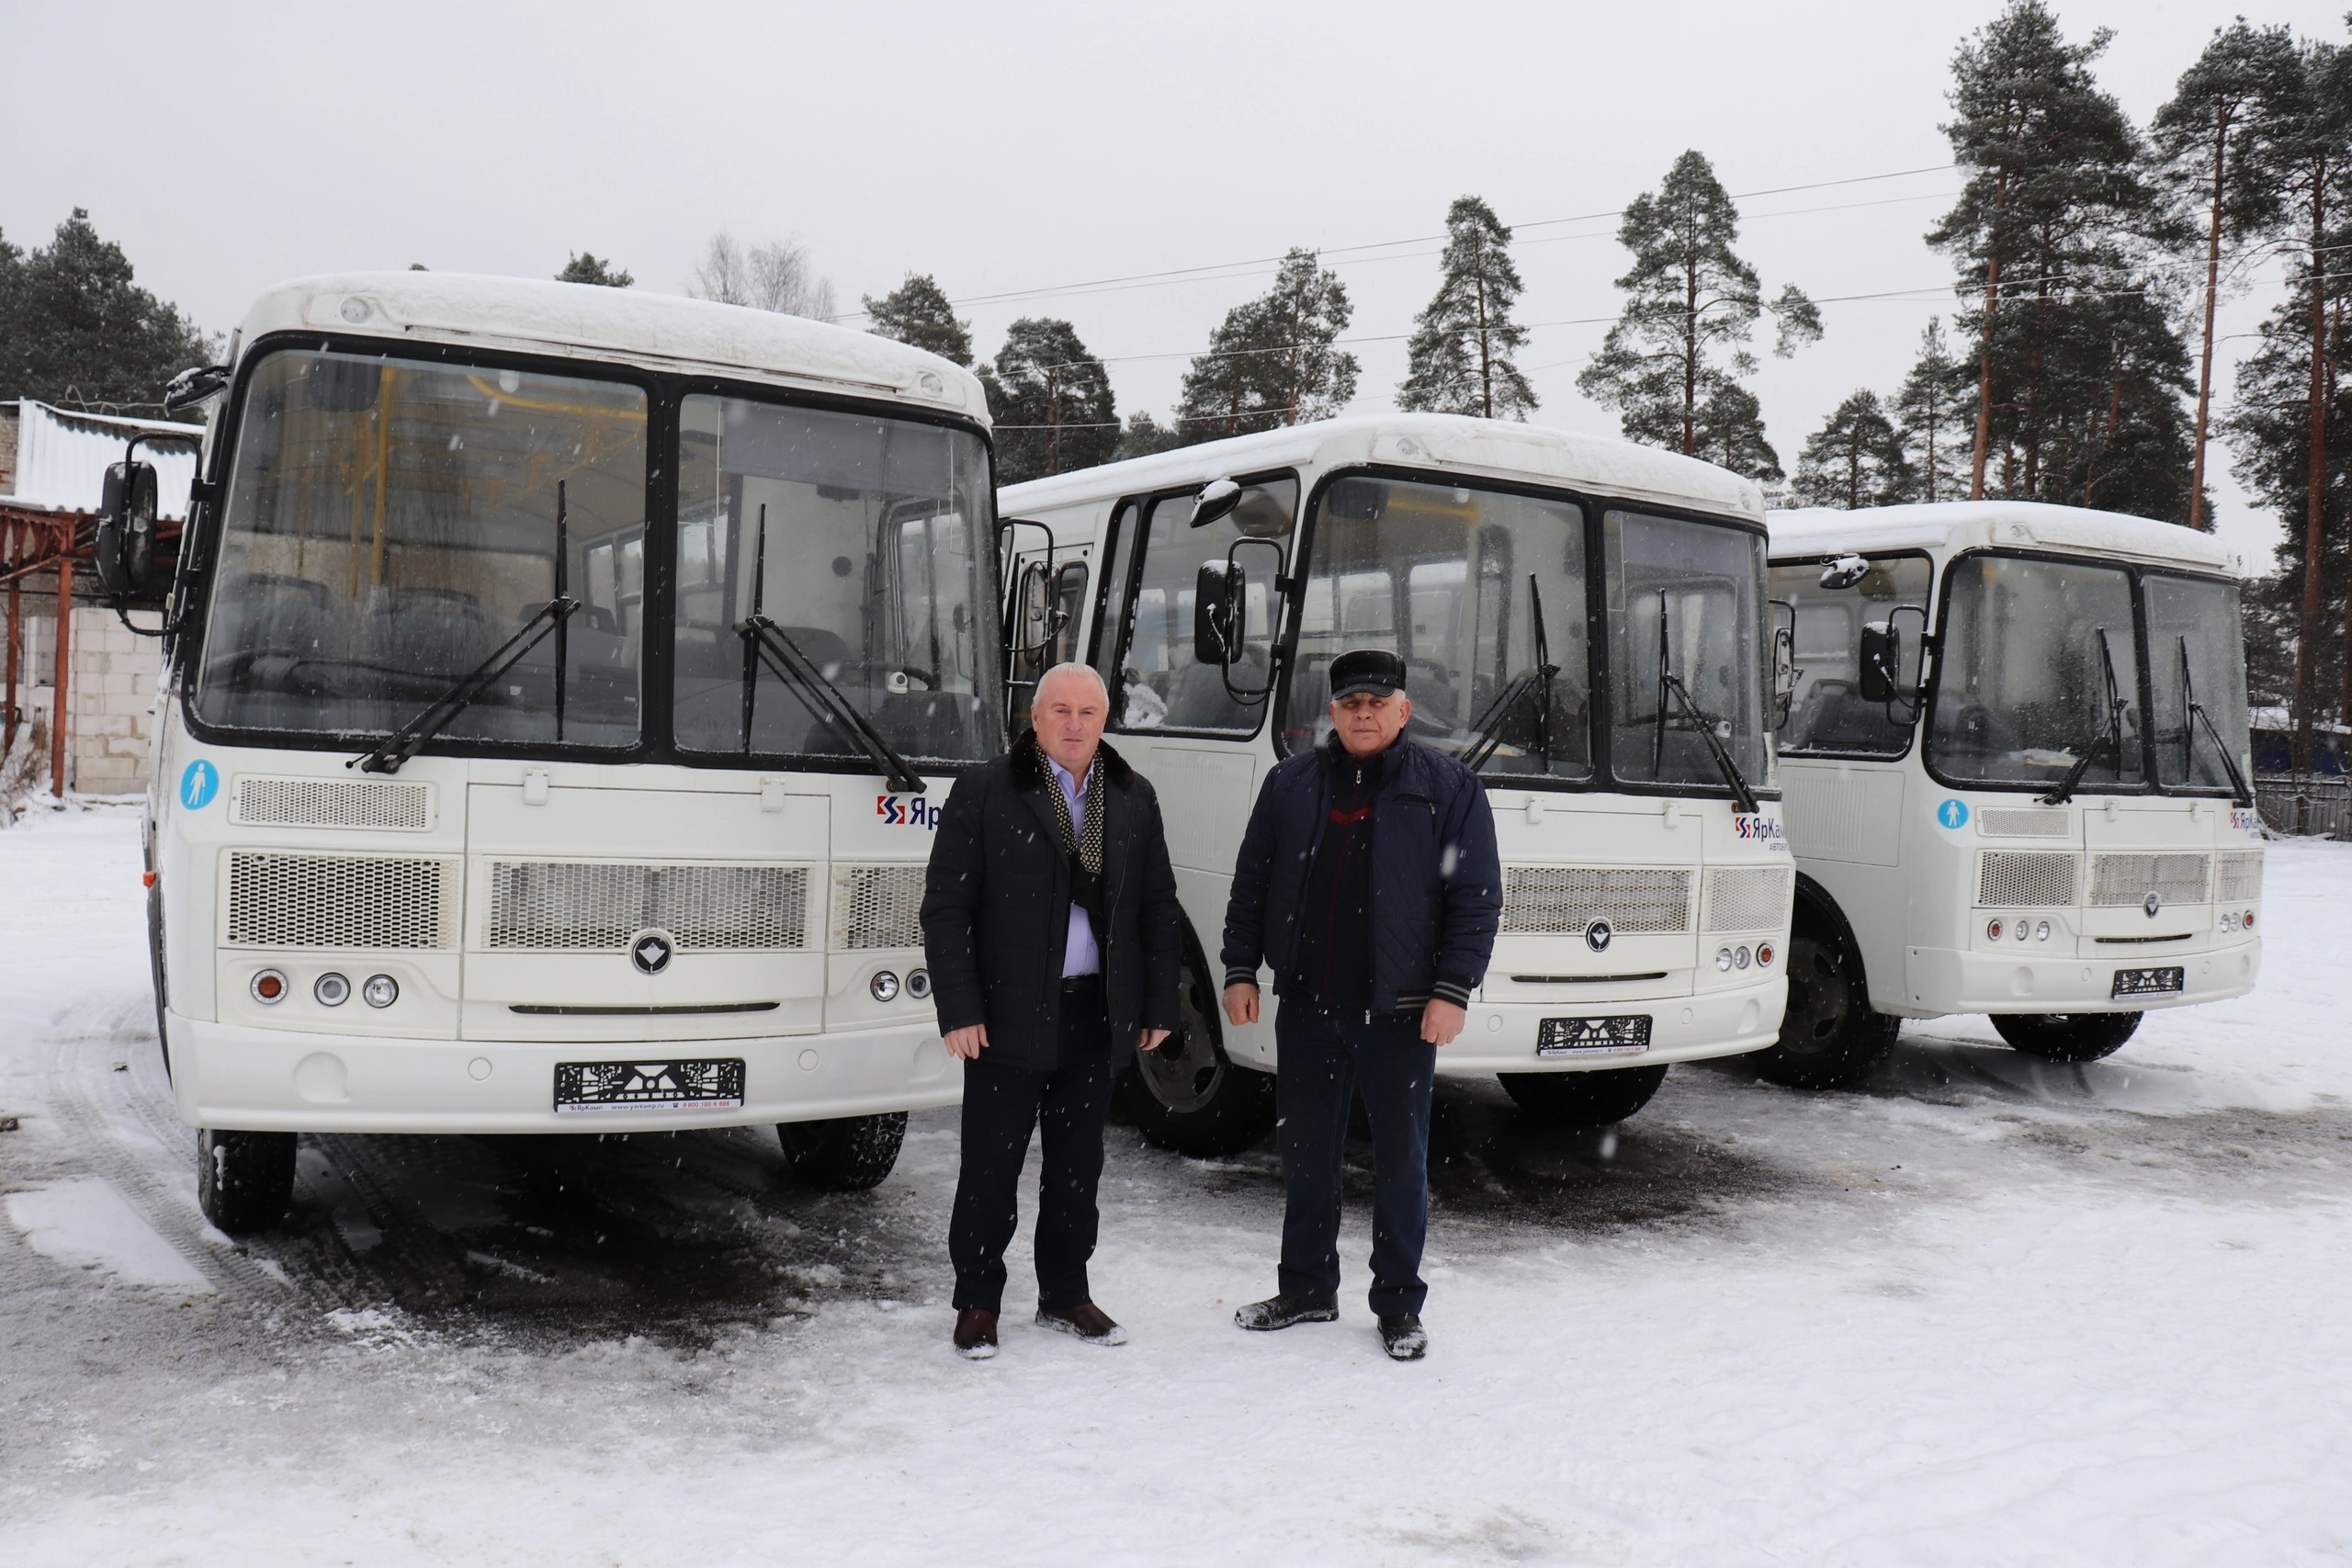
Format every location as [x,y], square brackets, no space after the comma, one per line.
[909,811]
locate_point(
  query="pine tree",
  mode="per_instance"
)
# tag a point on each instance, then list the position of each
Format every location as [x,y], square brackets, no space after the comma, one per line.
[586,268]
[1690,306]
[1271,361]
[2217,143]
[1145,436]
[917,312]
[1051,400]
[2053,195]
[1855,459]
[75,330]
[1729,432]
[1935,420]
[1458,360]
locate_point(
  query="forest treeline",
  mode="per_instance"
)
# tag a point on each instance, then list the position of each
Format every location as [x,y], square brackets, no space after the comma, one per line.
[2079,363]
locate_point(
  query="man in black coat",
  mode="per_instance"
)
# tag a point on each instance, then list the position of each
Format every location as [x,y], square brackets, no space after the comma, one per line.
[1368,881]
[1049,924]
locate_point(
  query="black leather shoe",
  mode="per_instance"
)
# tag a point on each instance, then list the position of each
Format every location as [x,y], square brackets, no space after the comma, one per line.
[1403,1337]
[1282,1310]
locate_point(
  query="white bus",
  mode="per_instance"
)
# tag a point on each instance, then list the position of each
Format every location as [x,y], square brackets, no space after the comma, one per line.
[1584,622]
[561,688]
[2017,778]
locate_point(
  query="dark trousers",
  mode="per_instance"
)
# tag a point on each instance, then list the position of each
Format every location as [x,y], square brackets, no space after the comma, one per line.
[1070,1102]
[1324,1060]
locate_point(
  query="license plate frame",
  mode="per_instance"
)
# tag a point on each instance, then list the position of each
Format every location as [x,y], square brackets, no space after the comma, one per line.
[697,1083]
[2169,980]
[1619,1034]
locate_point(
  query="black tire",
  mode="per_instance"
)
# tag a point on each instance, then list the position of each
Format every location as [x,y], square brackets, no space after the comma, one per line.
[1830,1037]
[1188,1096]
[851,1154]
[1599,1098]
[243,1180]
[2067,1036]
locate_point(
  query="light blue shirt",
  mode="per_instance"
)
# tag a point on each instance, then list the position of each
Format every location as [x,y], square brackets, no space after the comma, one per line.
[1082,956]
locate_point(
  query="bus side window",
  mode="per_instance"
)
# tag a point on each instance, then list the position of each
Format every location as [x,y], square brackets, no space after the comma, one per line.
[1166,686]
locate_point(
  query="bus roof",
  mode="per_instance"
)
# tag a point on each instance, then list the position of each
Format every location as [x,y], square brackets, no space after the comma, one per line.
[586,322]
[1485,447]
[1974,524]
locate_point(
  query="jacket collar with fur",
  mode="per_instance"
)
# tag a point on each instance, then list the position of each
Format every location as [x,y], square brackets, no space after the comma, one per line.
[1029,768]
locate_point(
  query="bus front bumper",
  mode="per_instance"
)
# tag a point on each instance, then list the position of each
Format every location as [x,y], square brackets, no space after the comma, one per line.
[1501,1036]
[1942,980]
[229,1075]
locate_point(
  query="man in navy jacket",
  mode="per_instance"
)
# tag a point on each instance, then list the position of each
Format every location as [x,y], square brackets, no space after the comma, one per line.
[1368,881]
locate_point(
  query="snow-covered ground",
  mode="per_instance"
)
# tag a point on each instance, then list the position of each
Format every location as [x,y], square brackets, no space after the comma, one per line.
[1984,1312]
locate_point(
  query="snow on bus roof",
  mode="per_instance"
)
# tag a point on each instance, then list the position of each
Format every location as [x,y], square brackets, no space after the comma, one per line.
[1488,447]
[1962,525]
[588,322]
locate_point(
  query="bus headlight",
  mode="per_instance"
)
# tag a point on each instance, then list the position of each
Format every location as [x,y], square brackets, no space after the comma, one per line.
[381,991]
[1740,957]
[919,983]
[270,988]
[885,985]
[331,989]
[2025,928]
[2041,932]
[1722,959]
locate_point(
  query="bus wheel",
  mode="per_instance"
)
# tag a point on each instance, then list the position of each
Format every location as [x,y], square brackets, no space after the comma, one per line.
[1584,1100]
[243,1180]
[850,1154]
[2067,1036]
[1188,1096]
[1830,1037]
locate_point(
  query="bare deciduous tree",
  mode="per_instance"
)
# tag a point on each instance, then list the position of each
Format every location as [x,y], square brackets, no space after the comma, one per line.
[777,275]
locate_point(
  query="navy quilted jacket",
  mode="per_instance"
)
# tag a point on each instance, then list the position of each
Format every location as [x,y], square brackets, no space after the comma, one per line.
[1437,885]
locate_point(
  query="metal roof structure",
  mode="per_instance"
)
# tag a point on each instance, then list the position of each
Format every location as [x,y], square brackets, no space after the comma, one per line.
[54,460]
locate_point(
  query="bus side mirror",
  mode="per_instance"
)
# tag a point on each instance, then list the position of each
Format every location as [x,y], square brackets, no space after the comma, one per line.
[1881,662]
[1213,606]
[126,543]
[1784,661]
[1217,498]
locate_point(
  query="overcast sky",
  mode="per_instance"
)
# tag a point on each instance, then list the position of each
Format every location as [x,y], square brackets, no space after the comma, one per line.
[1022,151]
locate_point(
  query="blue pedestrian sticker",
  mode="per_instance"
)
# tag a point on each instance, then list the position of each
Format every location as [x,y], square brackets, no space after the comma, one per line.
[1953,814]
[199,784]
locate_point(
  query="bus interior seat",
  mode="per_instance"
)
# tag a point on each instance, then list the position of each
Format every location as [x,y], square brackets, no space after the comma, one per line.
[431,633]
[1199,700]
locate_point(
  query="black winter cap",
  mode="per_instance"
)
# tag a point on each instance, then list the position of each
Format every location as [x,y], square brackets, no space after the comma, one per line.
[1372,670]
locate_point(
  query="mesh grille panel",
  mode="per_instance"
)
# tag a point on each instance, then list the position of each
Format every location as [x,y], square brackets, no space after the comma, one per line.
[2033,879]
[1750,898]
[2117,881]
[2017,823]
[279,900]
[2237,877]
[334,802]
[583,905]
[1569,898]
[878,906]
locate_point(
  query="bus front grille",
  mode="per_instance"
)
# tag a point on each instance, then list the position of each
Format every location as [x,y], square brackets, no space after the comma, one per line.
[2024,822]
[1750,897]
[589,906]
[2237,877]
[303,900]
[1561,898]
[2120,881]
[334,802]
[878,906]
[2030,879]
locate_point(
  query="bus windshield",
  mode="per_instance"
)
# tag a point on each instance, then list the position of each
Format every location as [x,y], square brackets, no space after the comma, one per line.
[390,522]
[2196,654]
[865,543]
[2040,670]
[1483,594]
[1686,609]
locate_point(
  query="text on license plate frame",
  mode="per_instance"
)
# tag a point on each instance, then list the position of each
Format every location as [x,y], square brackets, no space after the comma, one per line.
[700,1083]
[2169,981]
[1624,1034]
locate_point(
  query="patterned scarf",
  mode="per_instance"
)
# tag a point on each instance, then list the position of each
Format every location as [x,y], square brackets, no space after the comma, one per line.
[1083,847]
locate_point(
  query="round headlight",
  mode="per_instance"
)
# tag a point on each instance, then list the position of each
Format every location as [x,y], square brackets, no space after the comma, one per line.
[1740,958]
[919,983]
[884,985]
[2041,932]
[2025,929]
[1992,931]
[1763,955]
[331,989]
[270,988]
[1723,958]
[381,991]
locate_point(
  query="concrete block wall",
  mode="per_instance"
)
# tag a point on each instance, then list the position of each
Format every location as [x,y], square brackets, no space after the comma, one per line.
[110,703]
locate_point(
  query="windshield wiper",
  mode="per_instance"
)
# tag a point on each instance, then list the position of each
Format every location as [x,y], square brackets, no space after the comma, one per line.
[766,643]
[2195,713]
[1489,736]
[401,744]
[1667,681]
[2111,743]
